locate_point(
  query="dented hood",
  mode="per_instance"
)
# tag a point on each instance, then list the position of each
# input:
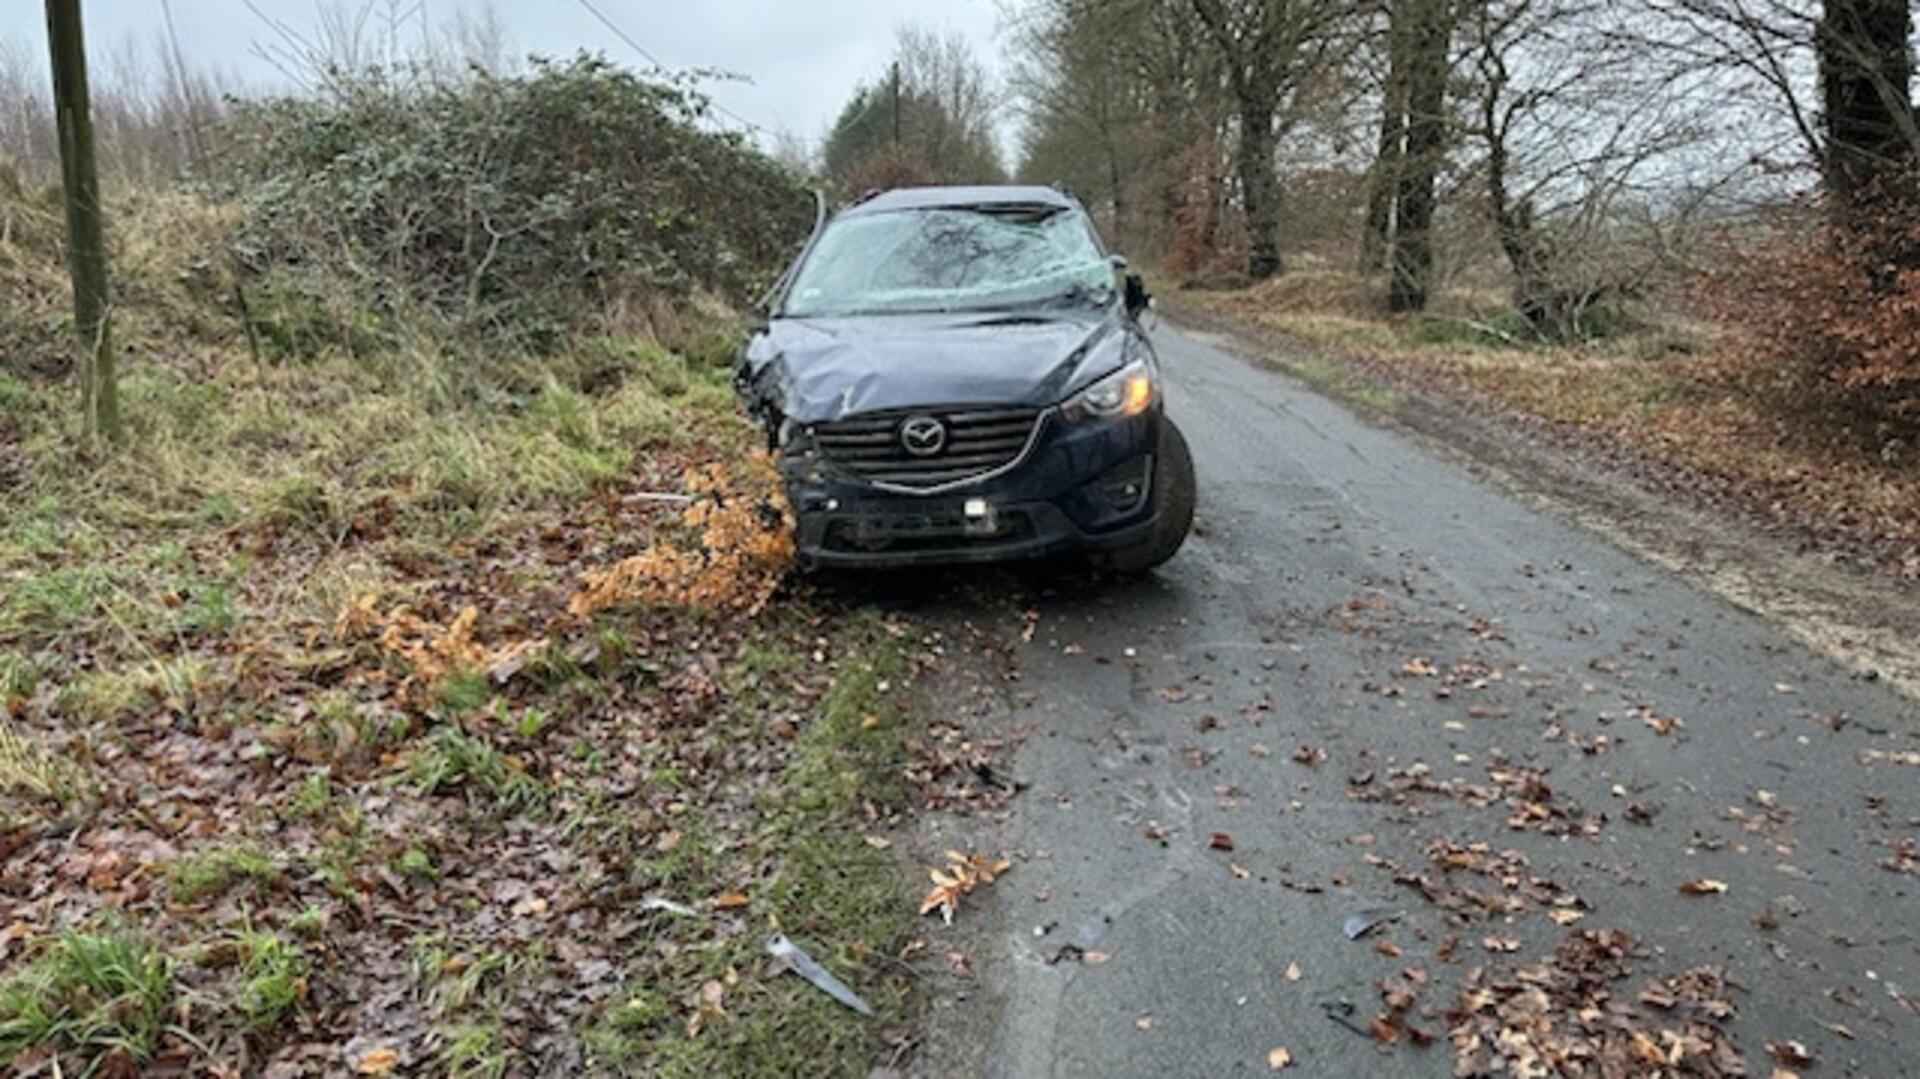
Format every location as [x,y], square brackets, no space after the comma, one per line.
[816,369]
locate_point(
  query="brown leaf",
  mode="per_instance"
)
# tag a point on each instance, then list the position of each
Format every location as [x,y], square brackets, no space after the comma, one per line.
[1792,1054]
[1703,886]
[377,1062]
[1220,841]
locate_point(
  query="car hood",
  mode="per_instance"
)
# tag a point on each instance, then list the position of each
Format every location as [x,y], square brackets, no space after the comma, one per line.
[816,369]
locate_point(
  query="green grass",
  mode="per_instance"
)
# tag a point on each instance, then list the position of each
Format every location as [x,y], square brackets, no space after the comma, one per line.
[466,987]
[91,996]
[827,888]
[202,875]
[453,760]
[273,976]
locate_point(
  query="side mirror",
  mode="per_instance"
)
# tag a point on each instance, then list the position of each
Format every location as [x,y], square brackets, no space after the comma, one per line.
[1136,294]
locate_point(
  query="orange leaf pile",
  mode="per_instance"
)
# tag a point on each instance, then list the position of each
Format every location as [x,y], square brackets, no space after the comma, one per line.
[961,876]
[738,546]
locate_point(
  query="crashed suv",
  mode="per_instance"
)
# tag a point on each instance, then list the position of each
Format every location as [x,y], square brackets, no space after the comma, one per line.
[959,375]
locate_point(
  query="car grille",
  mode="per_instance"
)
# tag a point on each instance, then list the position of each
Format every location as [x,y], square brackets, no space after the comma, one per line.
[979,441]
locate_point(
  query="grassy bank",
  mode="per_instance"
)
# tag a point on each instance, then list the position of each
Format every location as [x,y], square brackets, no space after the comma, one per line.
[1664,396]
[312,756]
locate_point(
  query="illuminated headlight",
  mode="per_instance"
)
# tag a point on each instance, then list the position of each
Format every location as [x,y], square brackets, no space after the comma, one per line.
[1127,392]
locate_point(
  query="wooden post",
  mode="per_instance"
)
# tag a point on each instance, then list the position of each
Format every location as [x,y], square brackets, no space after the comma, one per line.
[86,247]
[894,94]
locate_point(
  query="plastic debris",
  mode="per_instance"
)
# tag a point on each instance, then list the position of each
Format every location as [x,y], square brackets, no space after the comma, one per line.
[1360,923]
[662,903]
[789,956]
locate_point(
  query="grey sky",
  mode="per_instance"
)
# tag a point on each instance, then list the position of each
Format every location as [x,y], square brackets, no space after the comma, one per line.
[803,56]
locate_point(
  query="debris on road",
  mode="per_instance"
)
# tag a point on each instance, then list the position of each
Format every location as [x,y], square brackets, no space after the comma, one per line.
[1360,923]
[789,956]
[963,874]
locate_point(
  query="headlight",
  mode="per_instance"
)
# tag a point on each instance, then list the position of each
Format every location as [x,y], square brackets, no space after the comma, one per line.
[1127,392]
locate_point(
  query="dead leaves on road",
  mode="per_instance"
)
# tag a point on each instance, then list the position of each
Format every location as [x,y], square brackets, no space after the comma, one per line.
[963,874]
[1563,1017]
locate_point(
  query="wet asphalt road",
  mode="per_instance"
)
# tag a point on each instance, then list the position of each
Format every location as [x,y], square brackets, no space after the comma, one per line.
[1335,566]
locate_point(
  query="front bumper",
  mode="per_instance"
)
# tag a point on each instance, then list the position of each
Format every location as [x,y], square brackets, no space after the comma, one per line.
[1081,488]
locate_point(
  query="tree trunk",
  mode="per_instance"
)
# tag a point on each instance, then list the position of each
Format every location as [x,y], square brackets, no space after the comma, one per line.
[1259,186]
[1383,185]
[1427,45]
[1866,77]
[86,245]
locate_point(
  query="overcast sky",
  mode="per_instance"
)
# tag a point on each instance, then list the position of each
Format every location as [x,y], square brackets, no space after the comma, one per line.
[803,57]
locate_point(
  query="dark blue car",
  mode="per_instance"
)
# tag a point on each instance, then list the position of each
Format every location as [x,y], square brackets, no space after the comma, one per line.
[958,374]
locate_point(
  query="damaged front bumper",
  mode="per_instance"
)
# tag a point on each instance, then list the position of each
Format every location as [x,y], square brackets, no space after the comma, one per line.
[1079,487]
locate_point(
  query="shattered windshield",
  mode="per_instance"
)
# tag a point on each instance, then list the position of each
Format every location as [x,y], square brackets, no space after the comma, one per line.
[953,259]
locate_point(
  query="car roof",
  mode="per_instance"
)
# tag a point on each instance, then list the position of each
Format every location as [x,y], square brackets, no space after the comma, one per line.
[924,198]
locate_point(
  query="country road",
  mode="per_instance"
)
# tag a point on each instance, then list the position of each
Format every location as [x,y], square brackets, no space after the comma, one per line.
[1365,663]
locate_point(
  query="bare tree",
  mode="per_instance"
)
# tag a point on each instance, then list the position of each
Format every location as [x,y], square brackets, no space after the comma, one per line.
[1574,140]
[1866,91]
[1268,50]
[1428,35]
[1383,179]
[931,119]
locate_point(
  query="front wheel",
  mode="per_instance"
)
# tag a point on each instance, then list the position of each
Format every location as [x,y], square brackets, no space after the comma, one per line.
[1173,496]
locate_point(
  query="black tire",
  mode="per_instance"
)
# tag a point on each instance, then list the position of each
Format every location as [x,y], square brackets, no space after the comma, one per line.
[1173,496]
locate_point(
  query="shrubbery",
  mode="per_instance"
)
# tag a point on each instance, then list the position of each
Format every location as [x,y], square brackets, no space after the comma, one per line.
[1838,302]
[518,205]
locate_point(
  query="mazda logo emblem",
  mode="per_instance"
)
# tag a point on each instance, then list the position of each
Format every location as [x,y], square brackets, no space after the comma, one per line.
[923,436]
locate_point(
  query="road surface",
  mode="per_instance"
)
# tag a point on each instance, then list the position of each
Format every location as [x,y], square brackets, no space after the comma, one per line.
[1364,663]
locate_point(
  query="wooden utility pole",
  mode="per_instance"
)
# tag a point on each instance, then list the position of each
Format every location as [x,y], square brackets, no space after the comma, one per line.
[86,247]
[894,94]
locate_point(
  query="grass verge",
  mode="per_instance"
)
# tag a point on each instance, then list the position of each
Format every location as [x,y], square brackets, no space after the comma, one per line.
[301,665]
[1655,394]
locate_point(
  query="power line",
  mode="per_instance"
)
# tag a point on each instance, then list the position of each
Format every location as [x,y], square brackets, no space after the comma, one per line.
[614,29]
[622,35]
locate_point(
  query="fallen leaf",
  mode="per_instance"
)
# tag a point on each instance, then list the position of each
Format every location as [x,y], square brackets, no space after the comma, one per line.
[377,1062]
[962,875]
[1792,1053]
[1279,1057]
[1145,1022]
[1239,870]
[1094,959]
[1220,841]
[731,901]
[1565,916]
[1293,972]
[1703,886]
